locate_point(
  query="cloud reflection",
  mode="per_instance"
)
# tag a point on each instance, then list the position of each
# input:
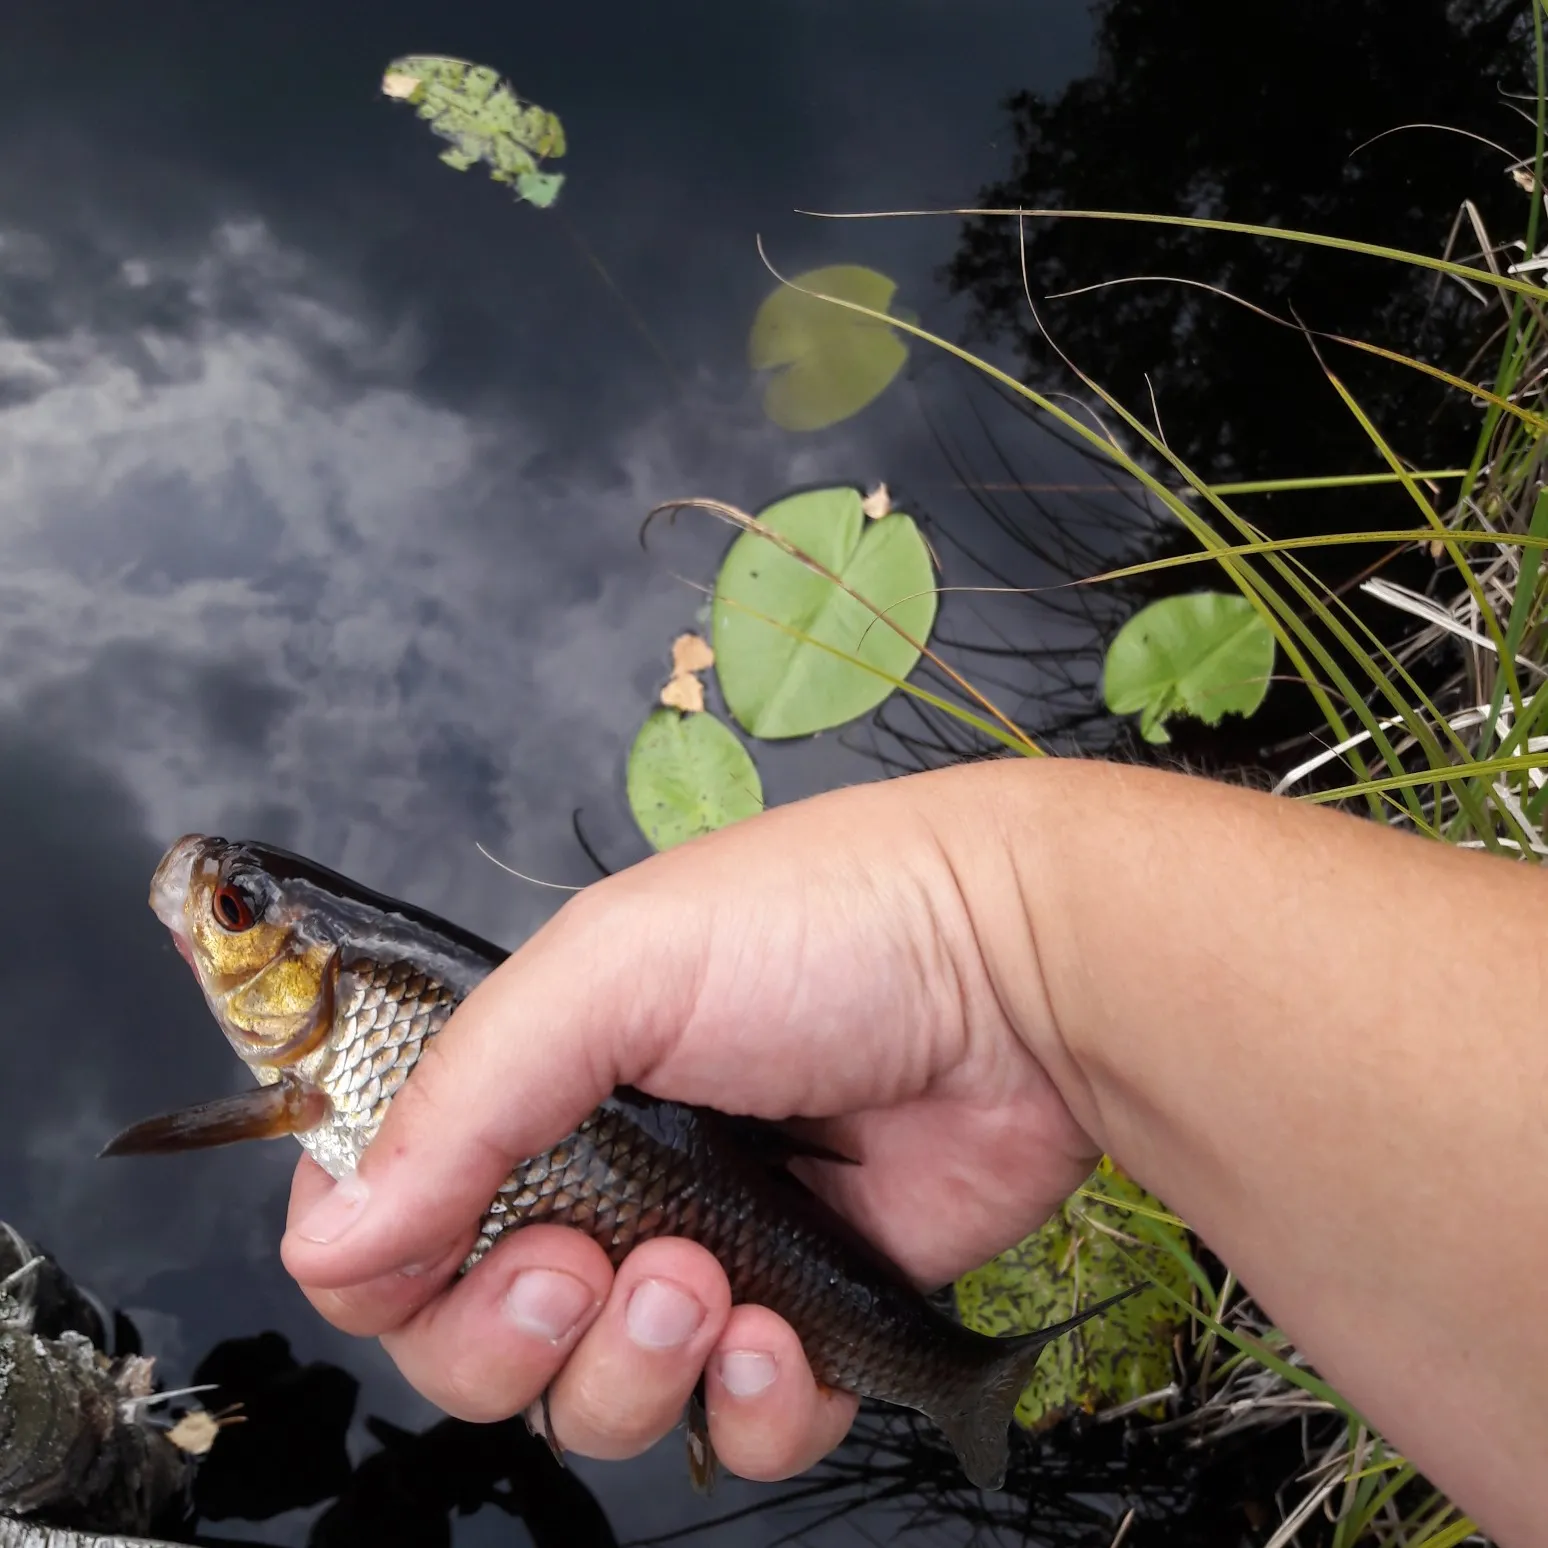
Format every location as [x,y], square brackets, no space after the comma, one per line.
[274,580]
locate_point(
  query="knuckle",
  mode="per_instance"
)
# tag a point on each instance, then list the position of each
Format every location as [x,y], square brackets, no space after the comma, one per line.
[358,1315]
[472,1389]
[618,1427]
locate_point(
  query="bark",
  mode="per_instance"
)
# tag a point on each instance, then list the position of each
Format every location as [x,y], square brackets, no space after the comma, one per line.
[77,1450]
[26,1534]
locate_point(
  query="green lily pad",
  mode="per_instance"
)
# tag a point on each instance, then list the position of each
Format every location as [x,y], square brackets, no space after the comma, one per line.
[688,775]
[830,361]
[484,120]
[1115,1358]
[779,685]
[1204,654]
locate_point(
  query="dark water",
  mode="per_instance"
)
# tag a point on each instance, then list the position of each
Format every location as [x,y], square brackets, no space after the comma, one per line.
[321,469]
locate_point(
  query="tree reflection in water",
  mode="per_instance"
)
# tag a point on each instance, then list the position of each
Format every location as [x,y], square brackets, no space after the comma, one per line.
[1185,114]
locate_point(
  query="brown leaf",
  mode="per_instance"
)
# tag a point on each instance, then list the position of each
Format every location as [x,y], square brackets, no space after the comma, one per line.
[396,84]
[691,653]
[195,1432]
[878,503]
[685,693]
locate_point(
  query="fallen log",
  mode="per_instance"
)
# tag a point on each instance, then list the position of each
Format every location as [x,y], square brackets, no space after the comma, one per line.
[79,1453]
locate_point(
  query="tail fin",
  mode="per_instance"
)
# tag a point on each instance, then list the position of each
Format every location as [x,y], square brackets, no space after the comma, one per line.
[976,1415]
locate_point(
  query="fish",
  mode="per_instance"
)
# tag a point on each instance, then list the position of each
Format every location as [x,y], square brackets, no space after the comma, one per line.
[330,992]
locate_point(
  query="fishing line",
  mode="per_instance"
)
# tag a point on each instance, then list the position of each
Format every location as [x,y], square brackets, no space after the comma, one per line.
[537,881]
[585,250]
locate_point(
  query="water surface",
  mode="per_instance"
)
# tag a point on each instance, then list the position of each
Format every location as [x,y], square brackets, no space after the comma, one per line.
[321,477]
[322,467]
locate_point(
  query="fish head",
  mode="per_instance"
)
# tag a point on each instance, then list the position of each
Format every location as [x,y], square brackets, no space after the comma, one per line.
[261,950]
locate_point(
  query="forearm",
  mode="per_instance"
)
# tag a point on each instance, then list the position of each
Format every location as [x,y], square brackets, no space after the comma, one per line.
[1326,1045]
[1321,1042]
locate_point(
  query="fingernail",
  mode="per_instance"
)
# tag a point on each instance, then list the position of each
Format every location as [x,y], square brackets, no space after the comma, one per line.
[745,1373]
[335,1212]
[661,1315]
[547,1303]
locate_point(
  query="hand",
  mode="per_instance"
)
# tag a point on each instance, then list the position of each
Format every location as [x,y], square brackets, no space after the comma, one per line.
[825,961]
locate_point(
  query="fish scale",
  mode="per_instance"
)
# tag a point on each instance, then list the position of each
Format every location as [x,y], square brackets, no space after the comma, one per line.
[621,1184]
[331,994]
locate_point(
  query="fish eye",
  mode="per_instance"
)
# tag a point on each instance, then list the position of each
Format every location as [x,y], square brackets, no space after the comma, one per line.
[232,907]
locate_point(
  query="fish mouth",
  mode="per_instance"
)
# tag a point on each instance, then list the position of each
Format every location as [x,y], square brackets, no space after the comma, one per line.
[169,889]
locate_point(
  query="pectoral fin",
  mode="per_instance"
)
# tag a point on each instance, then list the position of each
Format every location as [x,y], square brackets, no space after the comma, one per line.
[266,1113]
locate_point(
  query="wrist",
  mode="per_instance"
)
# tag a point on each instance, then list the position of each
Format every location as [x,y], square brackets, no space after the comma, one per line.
[1009,833]
[1036,933]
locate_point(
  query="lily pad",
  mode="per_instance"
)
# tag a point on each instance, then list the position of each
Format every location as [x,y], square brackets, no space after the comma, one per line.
[1117,1357]
[484,119]
[777,684]
[830,361]
[688,775]
[1205,654]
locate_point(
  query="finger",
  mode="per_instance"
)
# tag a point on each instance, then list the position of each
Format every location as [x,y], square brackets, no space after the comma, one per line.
[381,1304]
[769,1418]
[453,1131]
[495,1340]
[308,1183]
[923,1217]
[629,1377]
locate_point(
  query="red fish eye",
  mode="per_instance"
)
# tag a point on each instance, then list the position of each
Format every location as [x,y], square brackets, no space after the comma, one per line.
[232,908]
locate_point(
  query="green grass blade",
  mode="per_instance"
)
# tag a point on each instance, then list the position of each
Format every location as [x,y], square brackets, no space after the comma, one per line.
[1483,277]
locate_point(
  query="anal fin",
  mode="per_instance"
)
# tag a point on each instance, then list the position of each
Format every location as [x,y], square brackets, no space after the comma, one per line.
[702,1462]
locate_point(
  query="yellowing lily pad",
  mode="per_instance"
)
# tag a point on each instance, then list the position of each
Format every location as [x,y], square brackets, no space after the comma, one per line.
[782,682]
[830,361]
[688,775]
[1204,654]
[1075,1259]
[484,120]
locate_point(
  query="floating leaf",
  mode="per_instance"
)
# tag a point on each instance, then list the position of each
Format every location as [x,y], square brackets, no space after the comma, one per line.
[1117,1357]
[484,120]
[688,775]
[778,685]
[834,361]
[1203,654]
